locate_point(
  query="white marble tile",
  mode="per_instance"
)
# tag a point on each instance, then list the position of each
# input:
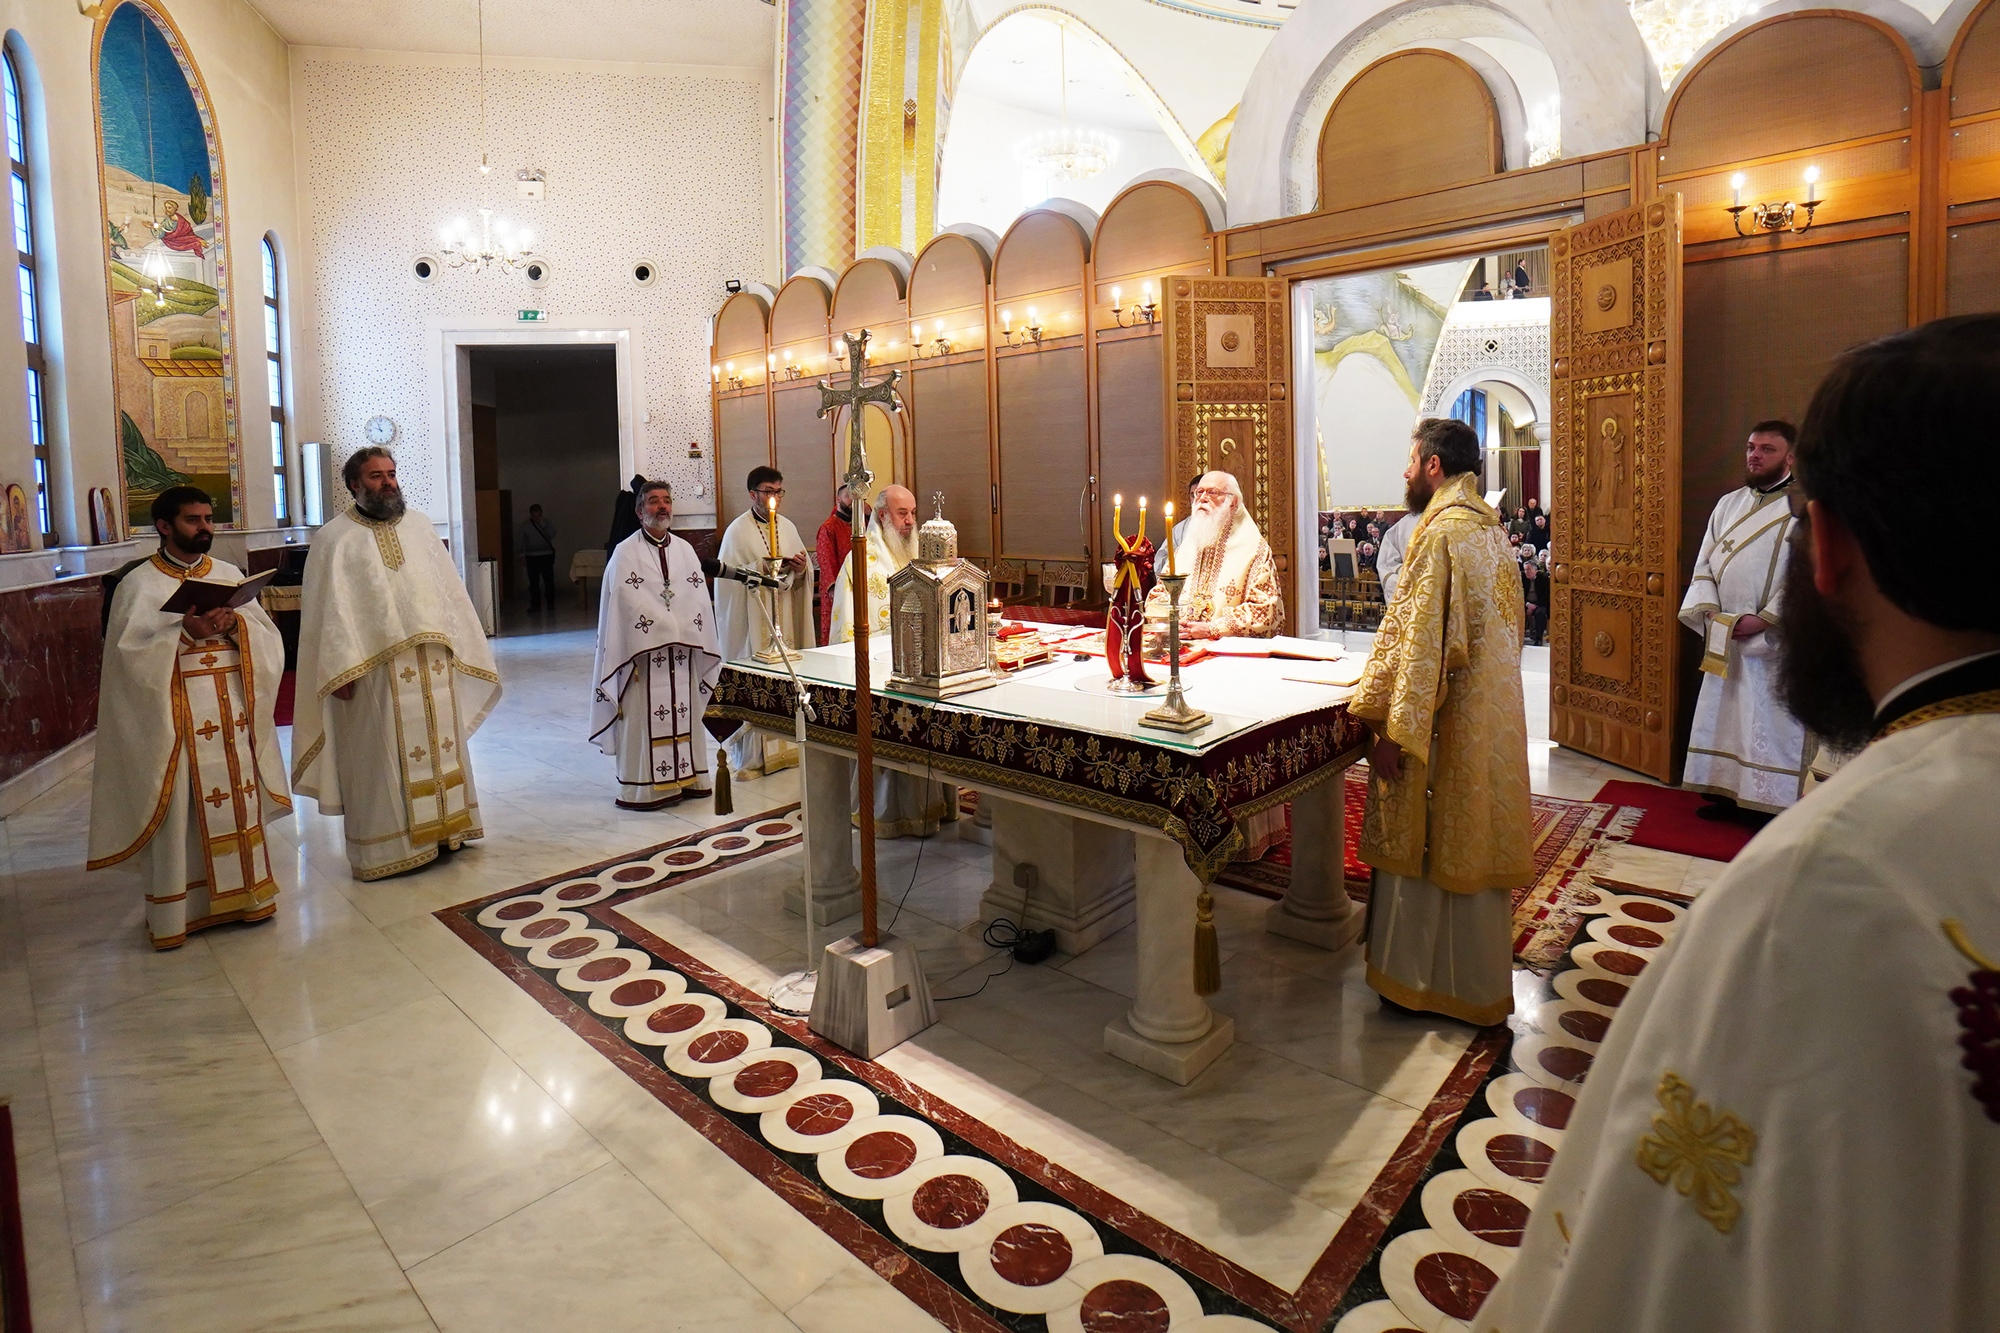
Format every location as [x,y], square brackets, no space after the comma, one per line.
[441,1133]
[601,1253]
[284,1247]
[855,1300]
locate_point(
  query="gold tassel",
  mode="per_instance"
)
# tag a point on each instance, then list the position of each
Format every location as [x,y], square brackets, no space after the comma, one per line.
[1207,949]
[725,804]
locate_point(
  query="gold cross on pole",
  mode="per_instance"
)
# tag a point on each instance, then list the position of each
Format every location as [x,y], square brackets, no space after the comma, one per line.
[860,390]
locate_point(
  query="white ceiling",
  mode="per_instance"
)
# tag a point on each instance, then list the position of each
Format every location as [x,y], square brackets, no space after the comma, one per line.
[668,32]
[1016,64]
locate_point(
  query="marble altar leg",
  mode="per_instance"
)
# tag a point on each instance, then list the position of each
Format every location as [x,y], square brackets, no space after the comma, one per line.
[836,882]
[1169,1031]
[1316,909]
[1083,873]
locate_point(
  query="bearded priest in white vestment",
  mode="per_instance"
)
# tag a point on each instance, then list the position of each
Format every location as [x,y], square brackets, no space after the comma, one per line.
[742,627]
[656,661]
[1447,823]
[394,676]
[1794,1120]
[1744,745]
[905,806]
[188,773]
[1232,591]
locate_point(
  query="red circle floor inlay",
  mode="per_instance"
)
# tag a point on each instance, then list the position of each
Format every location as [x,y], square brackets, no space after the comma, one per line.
[1495,1218]
[1520,1156]
[772,830]
[675,1018]
[681,858]
[603,969]
[1637,936]
[712,1048]
[576,948]
[1566,1062]
[631,874]
[1124,1306]
[571,892]
[730,844]
[1457,1284]
[880,1155]
[766,1078]
[644,990]
[542,930]
[1545,1106]
[1617,960]
[518,911]
[1646,912]
[821,1113]
[1585,1023]
[1600,990]
[949,1202]
[1031,1254]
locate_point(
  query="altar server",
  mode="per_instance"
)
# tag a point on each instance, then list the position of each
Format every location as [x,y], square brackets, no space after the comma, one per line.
[656,660]
[741,624]
[394,676]
[1745,747]
[1447,824]
[829,551]
[1794,1121]
[905,806]
[188,772]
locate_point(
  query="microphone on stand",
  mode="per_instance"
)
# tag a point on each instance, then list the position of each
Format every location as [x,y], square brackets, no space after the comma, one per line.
[715,569]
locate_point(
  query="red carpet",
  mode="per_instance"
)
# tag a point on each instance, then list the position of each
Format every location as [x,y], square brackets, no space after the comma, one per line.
[1670,825]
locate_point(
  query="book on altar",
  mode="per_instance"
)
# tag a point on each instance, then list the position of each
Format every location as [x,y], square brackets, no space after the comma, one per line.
[202,597]
[1190,654]
[1279,645]
[1343,674]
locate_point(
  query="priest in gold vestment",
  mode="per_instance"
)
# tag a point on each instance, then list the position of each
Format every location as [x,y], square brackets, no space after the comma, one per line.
[1447,821]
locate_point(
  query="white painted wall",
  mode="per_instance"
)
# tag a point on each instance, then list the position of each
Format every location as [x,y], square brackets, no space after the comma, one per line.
[1364,419]
[669,164]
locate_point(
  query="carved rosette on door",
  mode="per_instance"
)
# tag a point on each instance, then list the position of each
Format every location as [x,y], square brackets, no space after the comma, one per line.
[1615,349]
[1227,401]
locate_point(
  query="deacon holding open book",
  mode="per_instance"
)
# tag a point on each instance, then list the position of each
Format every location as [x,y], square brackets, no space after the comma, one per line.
[188,771]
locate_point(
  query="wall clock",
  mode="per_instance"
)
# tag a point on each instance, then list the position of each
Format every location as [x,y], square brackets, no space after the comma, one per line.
[380,430]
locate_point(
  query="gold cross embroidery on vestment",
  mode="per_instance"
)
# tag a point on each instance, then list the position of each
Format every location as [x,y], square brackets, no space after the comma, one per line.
[1699,1152]
[208,729]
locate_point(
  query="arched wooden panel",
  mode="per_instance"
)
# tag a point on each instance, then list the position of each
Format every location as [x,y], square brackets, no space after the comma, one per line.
[1043,403]
[952,445]
[1787,85]
[1972,163]
[1973,72]
[740,329]
[1043,250]
[799,322]
[742,417]
[870,297]
[799,438]
[1153,227]
[1411,122]
[1132,432]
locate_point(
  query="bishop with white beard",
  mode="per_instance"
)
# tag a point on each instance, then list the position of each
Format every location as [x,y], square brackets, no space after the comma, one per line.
[394,676]
[905,807]
[744,614]
[656,661]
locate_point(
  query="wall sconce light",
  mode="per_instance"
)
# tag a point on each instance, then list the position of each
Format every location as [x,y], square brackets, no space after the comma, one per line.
[1766,218]
[939,344]
[792,369]
[1147,311]
[730,377]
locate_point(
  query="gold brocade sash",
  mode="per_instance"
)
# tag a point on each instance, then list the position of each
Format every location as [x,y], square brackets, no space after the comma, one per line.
[433,774]
[214,714]
[1965,705]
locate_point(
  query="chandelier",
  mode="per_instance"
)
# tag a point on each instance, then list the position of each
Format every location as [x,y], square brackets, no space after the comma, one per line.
[1675,29]
[493,244]
[1066,153]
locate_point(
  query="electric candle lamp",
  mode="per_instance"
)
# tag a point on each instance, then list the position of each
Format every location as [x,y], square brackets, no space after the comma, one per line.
[1006,321]
[939,326]
[916,334]
[1736,189]
[715,373]
[1115,301]
[1147,291]
[1812,184]
[1170,536]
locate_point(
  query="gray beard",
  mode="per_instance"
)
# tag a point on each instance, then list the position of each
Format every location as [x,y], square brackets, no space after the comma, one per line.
[901,549]
[658,534]
[381,508]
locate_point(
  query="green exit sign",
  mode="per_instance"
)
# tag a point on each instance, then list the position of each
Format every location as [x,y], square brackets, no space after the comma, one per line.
[531,316]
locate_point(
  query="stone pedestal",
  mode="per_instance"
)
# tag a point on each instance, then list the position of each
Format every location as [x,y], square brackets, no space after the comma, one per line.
[871,1000]
[829,780]
[1170,1030]
[1082,880]
[1316,909]
[979,828]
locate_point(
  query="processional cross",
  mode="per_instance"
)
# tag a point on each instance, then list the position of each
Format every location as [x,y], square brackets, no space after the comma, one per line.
[858,391]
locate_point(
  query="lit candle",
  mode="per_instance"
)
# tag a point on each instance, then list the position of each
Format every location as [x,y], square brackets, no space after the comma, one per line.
[1115,305]
[1031,317]
[1812,184]
[1147,290]
[770,360]
[1118,516]
[1006,321]
[1736,190]
[715,372]
[771,501]
[1170,536]
[940,328]
[916,334]
[1142,518]
[788,356]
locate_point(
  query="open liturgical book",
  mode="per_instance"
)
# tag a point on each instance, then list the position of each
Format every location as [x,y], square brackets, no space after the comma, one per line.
[201,597]
[1309,650]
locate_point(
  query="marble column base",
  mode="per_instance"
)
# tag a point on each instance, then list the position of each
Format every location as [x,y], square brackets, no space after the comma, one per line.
[1335,934]
[1084,874]
[979,828]
[1316,909]
[1176,1061]
[827,906]
[871,1000]
[836,880]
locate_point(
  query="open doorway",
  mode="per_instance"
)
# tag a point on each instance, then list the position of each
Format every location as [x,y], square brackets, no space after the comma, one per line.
[544,433]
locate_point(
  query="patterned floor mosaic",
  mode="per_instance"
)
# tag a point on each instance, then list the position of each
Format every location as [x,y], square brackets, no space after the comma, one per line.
[984,1234]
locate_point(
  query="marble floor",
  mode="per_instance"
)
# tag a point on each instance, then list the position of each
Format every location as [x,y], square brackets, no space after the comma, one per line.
[347,1119]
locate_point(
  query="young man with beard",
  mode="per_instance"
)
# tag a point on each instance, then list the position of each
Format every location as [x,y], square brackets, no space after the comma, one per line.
[188,770]
[1745,749]
[657,660]
[394,676]
[1446,826]
[743,615]
[1795,1119]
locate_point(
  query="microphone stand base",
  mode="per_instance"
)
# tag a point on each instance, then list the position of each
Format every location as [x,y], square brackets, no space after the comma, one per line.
[793,993]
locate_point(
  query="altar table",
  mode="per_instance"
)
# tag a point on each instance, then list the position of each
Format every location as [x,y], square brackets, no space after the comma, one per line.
[1050,739]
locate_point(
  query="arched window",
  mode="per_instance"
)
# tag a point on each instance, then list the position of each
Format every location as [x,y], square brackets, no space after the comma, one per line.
[274,361]
[22,190]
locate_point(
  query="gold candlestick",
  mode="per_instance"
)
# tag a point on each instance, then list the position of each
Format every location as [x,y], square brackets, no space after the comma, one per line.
[1175,714]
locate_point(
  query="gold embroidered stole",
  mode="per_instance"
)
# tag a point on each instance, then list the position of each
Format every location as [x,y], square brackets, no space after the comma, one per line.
[387,543]
[213,715]
[1965,705]
[425,695]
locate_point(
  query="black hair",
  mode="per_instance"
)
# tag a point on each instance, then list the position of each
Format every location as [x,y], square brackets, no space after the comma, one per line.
[763,476]
[1777,426]
[350,471]
[167,505]
[1451,442]
[1865,453]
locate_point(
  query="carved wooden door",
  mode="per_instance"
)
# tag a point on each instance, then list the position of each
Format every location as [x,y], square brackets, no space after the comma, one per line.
[1615,349]
[1227,409]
